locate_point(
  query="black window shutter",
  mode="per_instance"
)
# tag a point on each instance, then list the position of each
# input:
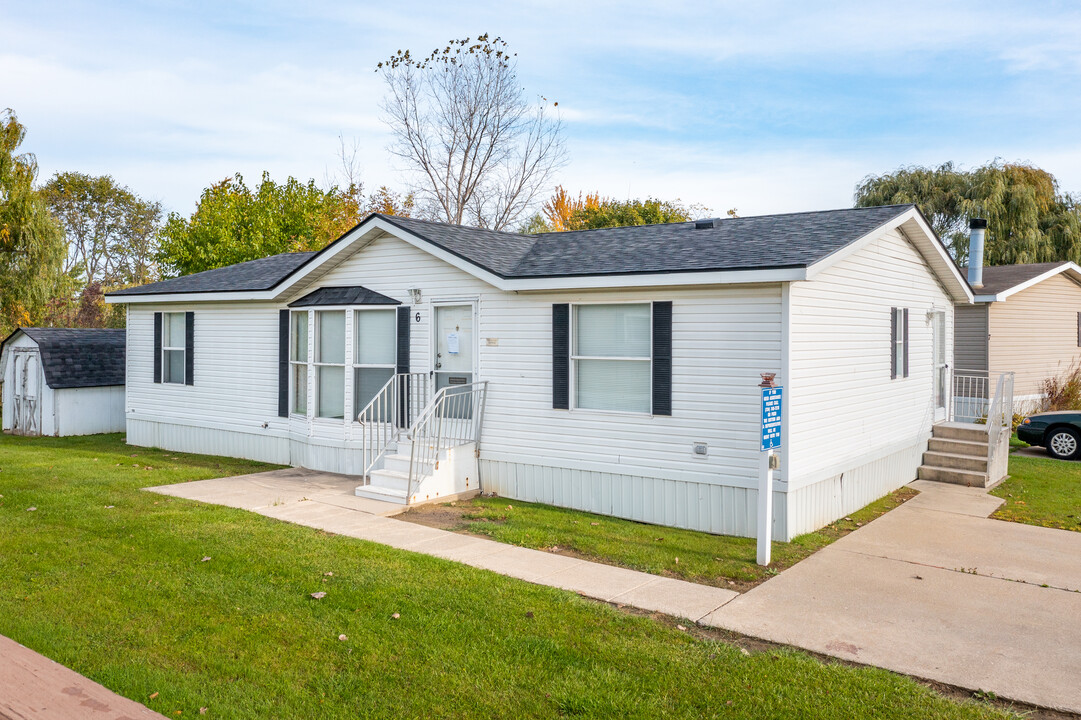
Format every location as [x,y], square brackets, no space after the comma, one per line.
[157,347]
[893,343]
[283,363]
[904,350]
[561,356]
[403,339]
[662,358]
[189,348]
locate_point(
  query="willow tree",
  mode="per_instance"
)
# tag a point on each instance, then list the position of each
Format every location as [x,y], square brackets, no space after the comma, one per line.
[32,244]
[1029,219]
[478,149]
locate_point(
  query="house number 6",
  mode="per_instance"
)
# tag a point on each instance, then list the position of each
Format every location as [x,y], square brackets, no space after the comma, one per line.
[418,317]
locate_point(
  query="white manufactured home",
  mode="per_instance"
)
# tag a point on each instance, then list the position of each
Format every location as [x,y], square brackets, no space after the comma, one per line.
[63,381]
[613,370]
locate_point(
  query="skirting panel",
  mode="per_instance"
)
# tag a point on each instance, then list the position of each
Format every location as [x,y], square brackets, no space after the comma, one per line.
[814,506]
[205,441]
[718,509]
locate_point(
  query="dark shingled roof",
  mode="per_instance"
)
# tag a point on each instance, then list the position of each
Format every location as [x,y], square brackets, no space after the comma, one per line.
[1000,278]
[766,241]
[344,296]
[752,243]
[79,357]
[261,274]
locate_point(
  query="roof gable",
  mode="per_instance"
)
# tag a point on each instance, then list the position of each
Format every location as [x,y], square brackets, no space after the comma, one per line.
[355,295]
[1002,281]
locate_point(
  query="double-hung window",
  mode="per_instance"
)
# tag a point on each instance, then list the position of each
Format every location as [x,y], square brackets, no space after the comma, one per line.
[611,353]
[298,362]
[330,363]
[374,354]
[899,343]
[173,344]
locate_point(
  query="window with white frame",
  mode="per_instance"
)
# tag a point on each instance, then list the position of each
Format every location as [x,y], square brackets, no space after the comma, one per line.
[298,362]
[611,352]
[330,363]
[173,343]
[375,334]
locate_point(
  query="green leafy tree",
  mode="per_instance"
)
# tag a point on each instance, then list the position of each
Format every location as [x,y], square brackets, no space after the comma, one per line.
[233,223]
[1028,218]
[621,213]
[111,232]
[31,241]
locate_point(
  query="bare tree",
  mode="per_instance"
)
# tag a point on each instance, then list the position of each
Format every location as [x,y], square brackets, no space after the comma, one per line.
[480,150]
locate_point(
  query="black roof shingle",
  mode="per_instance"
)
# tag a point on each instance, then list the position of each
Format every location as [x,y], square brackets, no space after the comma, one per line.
[80,357]
[356,295]
[751,243]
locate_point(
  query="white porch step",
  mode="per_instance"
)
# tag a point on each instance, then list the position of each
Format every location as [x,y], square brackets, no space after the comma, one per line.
[380,492]
[396,479]
[400,462]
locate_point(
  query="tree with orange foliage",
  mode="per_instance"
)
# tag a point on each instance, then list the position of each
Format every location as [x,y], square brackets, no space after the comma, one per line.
[561,209]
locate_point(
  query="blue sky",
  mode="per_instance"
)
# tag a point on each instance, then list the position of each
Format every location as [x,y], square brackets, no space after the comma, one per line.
[763,106]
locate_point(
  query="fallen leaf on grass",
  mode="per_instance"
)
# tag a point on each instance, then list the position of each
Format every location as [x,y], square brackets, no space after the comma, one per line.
[319,595]
[31,509]
[202,711]
[395,616]
[680,627]
[110,507]
[329,574]
[206,559]
[343,638]
[153,695]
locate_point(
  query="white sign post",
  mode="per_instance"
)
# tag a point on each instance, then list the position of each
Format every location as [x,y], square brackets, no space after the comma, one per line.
[771,439]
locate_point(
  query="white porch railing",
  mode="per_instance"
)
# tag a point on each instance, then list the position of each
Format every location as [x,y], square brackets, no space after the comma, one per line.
[970,398]
[454,417]
[393,409]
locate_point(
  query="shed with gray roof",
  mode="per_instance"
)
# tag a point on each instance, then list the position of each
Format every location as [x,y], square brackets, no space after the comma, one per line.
[63,381]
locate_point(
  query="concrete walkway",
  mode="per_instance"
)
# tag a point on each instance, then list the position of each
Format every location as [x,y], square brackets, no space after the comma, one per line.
[937,590]
[34,687]
[326,501]
[933,589]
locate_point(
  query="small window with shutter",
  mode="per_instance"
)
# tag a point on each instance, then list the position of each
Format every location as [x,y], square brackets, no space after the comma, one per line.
[898,342]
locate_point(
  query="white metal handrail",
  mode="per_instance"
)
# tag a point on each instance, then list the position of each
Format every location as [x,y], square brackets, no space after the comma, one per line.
[453,417]
[391,411]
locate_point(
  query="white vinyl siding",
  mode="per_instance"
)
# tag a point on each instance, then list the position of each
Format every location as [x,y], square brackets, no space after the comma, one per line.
[845,412]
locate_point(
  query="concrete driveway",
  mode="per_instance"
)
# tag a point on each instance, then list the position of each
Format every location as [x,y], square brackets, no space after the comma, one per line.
[937,590]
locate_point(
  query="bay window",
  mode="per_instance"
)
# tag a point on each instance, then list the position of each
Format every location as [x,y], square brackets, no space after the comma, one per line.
[298,362]
[330,363]
[374,354]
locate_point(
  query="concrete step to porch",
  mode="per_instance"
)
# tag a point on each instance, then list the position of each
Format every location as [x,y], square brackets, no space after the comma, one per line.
[399,462]
[958,447]
[956,461]
[969,432]
[953,476]
[381,492]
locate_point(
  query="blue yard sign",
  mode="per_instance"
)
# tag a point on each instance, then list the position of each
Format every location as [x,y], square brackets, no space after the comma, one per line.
[771,418]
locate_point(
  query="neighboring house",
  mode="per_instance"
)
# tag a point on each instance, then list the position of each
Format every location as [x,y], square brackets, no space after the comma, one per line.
[60,381]
[621,366]
[1026,319]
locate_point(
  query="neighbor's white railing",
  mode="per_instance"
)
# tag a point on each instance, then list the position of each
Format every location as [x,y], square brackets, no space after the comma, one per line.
[393,409]
[454,417]
[999,428]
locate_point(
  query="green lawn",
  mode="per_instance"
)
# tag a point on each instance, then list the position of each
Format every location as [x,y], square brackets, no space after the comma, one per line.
[111,581]
[699,557]
[1041,491]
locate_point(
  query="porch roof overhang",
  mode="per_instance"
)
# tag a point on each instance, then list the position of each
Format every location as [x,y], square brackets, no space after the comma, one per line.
[355,295]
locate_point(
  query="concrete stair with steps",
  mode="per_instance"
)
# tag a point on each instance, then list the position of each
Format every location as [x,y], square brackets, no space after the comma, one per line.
[444,482]
[957,454]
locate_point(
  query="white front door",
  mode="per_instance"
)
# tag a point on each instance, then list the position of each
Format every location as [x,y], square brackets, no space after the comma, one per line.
[454,345]
[941,369]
